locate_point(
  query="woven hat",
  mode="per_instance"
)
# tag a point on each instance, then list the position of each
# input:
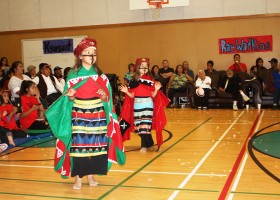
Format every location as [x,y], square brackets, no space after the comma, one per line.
[200,92]
[85,43]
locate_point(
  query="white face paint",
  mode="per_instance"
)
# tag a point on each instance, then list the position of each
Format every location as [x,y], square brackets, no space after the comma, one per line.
[88,56]
[143,68]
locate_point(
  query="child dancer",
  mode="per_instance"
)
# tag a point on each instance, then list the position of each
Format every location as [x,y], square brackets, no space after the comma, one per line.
[87,129]
[143,108]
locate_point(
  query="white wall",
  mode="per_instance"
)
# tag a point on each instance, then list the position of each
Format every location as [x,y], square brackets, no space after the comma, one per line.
[39,14]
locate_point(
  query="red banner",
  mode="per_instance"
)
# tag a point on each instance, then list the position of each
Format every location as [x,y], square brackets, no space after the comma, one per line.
[245,44]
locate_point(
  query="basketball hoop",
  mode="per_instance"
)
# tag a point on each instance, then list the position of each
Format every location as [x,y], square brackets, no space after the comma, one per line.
[155,6]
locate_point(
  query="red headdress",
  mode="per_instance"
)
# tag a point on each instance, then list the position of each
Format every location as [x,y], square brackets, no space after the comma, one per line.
[85,43]
[140,60]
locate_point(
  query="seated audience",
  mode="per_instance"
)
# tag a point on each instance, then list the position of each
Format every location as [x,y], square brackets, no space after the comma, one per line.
[156,76]
[203,88]
[4,64]
[10,117]
[32,116]
[4,82]
[256,68]
[166,72]
[259,64]
[276,93]
[6,135]
[15,82]
[1,74]
[3,146]
[58,74]
[131,72]
[65,72]
[254,72]
[210,69]
[231,83]
[189,73]
[268,84]
[50,88]
[273,63]
[31,71]
[238,66]
[177,84]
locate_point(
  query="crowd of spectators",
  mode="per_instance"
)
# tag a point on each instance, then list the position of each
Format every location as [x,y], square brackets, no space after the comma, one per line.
[175,81]
[25,96]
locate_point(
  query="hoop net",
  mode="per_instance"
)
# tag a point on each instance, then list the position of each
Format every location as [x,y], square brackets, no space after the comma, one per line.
[155,6]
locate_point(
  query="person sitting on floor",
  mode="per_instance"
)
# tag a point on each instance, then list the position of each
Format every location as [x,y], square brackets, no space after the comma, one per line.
[177,83]
[10,116]
[32,116]
[6,135]
[203,88]
[3,147]
[231,83]
[50,88]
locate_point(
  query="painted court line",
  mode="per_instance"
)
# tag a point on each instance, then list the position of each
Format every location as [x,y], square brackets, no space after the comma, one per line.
[240,171]
[175,193]
[124,171]
[152,160]
[231,176]
[182,173]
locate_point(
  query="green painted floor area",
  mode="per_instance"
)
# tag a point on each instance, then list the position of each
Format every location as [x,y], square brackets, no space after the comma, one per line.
[268,143]
[41,142]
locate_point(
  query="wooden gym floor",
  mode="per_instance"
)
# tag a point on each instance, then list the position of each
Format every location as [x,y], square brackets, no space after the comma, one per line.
[213,154]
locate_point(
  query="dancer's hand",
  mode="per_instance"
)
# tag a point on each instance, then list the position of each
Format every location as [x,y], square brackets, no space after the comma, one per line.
[123,89]
[157,85]
[103,94]
[71,92]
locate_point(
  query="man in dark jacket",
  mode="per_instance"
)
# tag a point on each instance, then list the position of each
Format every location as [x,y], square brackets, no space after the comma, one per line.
[50,88]
[232,84]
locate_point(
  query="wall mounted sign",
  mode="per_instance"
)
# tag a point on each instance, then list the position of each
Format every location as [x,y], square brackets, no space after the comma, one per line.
[245,44]
[58,46]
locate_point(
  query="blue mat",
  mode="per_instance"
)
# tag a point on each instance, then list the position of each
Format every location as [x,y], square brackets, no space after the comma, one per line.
[21,141]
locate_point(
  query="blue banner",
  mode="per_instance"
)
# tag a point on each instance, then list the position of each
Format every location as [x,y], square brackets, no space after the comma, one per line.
[58,46]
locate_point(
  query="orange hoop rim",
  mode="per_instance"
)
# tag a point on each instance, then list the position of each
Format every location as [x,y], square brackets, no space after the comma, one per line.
[157,3]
